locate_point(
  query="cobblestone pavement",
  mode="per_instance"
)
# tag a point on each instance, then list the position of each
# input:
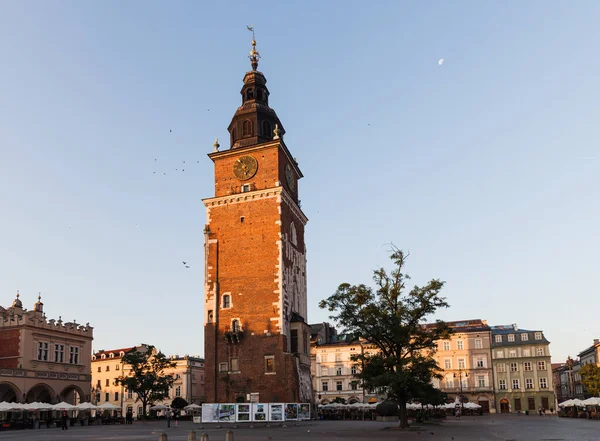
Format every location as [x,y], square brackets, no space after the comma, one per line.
[486,428]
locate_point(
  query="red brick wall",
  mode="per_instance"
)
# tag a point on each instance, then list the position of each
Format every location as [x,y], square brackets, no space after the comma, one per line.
[246,257]
[9,348]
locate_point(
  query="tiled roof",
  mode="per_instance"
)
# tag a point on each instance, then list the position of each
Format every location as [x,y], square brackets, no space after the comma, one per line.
[509,329]
[590,349]
[473,325]
[117,352]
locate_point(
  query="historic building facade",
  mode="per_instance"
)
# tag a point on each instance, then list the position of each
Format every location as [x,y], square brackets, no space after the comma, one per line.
[467,365]
[256,335]
[334,371]
[43,360]
[522,369]
[107,366]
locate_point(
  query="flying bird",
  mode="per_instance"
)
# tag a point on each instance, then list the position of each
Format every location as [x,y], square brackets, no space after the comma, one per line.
[440,61]
[170,131]
[185,263]
[187,266]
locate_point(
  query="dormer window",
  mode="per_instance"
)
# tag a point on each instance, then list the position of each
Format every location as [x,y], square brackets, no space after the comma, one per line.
[103,356]
[112,355]
[121,354]
[247,128]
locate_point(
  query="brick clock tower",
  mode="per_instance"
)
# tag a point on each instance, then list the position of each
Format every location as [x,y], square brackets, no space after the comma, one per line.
[255,330]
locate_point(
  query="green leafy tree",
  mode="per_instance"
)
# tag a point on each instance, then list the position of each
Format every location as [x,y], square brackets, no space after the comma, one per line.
[147,377]
[391,319]
[590,377]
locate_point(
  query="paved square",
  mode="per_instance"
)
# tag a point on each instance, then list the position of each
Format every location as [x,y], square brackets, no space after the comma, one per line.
[485,428]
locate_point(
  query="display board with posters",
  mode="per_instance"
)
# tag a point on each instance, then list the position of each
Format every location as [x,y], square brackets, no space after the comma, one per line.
[304,411]
[291,411]
[210,413]
[259,411]
[242,412]
[247,412]
[227,413]
[276,412]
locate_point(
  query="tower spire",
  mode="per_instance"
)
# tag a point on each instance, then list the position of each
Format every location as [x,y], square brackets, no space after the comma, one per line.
[254,55]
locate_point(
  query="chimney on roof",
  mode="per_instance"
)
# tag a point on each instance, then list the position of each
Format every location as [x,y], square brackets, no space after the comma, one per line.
[596,341]
[515,327]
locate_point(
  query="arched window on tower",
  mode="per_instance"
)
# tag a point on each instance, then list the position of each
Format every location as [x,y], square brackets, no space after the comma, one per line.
[293,236]
[250,94]
[266,128]
[247,128]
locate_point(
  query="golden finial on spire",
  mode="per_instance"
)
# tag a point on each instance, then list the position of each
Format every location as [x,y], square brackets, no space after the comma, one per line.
[254,55]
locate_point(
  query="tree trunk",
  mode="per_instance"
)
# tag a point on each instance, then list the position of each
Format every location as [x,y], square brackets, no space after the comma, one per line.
[402,413]
[144,402]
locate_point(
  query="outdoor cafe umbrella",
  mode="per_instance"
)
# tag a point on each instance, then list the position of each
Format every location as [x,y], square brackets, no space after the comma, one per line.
[63,406]
[593,401]
[7,407]
[37,406]
[160,407]
[108,406]
[192,407]
[86,406]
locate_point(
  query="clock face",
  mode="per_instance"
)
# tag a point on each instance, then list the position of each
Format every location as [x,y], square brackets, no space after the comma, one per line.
[289,177]
[245,167]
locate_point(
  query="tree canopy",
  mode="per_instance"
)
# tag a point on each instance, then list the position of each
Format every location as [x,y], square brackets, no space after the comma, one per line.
[146,376]
[178,403]
[590,378]
[392,319]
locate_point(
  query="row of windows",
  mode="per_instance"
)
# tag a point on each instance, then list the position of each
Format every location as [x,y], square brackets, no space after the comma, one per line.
[108,368]
[234,365]
[248,129]
[339,385]
[261,94]
[524,337]
[527,366]
[460,345]
[528,383]
[338,371]
[43,353]
[338,357]
[540,352]
[480,362]
[481,381]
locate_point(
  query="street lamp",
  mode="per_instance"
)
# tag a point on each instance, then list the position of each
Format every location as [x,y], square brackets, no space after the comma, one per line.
[460,372]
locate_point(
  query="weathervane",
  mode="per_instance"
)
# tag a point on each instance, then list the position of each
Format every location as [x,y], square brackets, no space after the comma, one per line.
[254,55]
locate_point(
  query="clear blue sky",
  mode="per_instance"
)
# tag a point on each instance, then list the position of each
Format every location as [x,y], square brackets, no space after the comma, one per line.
[486,168]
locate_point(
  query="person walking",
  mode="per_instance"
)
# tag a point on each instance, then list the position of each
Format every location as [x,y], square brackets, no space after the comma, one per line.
[65,419]
[176,418]
[168,415]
